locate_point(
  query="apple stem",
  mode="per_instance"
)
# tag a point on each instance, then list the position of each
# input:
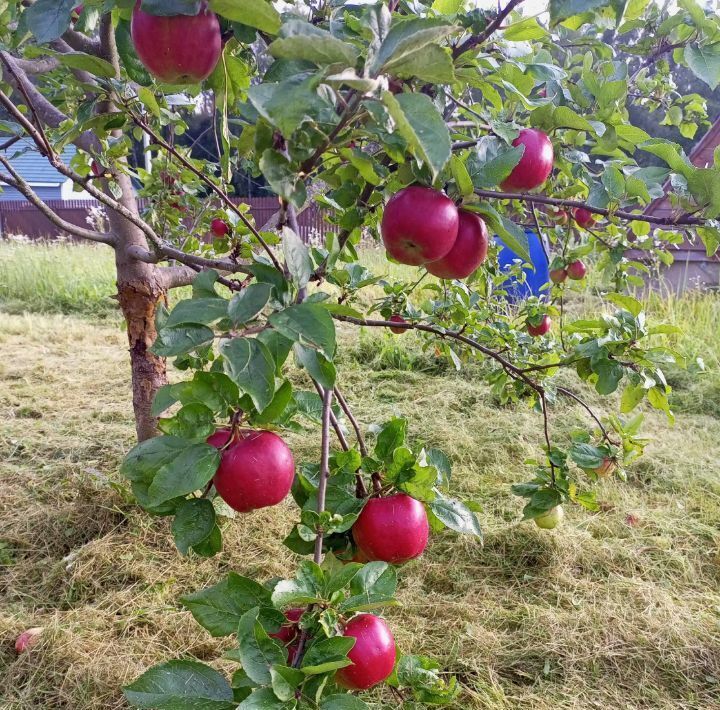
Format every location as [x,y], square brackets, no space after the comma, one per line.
[377,482]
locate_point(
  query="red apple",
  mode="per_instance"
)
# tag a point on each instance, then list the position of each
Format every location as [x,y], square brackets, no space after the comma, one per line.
[395,318]
[576,270]
[28,639]
[559,216]
[537,330]
[220,227]
[289,633]
[373,654]
[557,276]
[393,529]
[179,49]
[550,519]
[536,163]
[419,225]
[256,469]
[468,252]
[584,218]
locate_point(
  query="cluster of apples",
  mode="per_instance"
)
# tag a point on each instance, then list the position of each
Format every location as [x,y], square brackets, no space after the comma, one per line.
[177,49]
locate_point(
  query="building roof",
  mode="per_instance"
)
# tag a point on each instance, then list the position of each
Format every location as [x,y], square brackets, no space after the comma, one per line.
[33,166]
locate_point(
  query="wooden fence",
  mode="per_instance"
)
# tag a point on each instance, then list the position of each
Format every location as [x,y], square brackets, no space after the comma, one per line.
[22,218]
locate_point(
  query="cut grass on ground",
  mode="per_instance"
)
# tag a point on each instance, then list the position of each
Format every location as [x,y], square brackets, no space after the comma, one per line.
[620,609]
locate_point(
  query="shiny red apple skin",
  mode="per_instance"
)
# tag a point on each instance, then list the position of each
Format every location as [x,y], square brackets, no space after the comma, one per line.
[557,276]
[536,163]
[393,529]
[583,217]
[468,252]
[537,330]
[256,470]
[576,270]
[419,225]
[180,49]
[395,318]
[373,654]
[220,228]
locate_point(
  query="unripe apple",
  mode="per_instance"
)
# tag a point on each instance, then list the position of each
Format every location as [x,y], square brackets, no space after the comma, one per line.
[179,49]
[606,468]
[393,529]
[419,225]
[576,270]
[584,218]
[256,470]
[395,318]
[536,163]
[220,227]
[28,639]
[468,252]
[551,519]
[537,330]
[557,276]
[559,216]
[373,654]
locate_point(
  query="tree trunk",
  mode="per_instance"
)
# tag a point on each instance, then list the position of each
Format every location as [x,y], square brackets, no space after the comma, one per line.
[140,289]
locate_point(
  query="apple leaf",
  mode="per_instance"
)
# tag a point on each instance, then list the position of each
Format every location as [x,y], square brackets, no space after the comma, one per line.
[181,684]
[586,455]
[297,257]
[258,652]
[432,63]
[282,178]
[390,437]
[48,19]
[420,673]
[343,702]
[327,655]
[250,366]
[254,13]
[317,365]
[455,515]
[303,41]
[194,422]
[704,62]
[419,122]
[308,324]
[197,310]
[194,521]
[265,699]
[562,9]
[249,303]
[181,339]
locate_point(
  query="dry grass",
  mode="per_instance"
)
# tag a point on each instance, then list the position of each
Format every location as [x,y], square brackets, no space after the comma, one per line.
[599,614]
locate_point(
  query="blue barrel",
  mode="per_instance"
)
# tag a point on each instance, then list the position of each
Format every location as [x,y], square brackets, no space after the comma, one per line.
[535,279]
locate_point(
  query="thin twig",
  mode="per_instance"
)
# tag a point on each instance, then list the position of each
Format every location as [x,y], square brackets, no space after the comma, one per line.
[324,469]
[351,417]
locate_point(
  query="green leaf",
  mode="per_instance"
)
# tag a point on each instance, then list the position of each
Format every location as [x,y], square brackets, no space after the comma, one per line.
[512,235]
[525,30]
[609,375]
[170,467]
[374,585]
[456,515]
[710,237]
[197,310]
[249,303]
[306,588]
[181,339]
[147,97]
[219,608]
[285,681]
[632,396]
[297,257]
[406,38]
[254,13]
[489,167]
[317,365]
[433,64]
[194,521]
[303,41]
[204,284]
[87,62]
[250,366]
[421,675]
[704,62]
[327,655]
[421,125]
[391,437]
[214,390]
[282,178]
[278,345]
[627,302]
[671,153]
[194,422]
[587,456]
[181,685]
[461,176]
[541,501]
[258,652]
[265,699]
[48,19]
[562,9]
[308,324]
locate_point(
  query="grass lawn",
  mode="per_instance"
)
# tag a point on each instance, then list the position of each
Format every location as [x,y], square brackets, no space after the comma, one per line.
[619,609]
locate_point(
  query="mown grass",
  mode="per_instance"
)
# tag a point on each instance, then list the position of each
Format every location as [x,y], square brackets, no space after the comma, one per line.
[619,609]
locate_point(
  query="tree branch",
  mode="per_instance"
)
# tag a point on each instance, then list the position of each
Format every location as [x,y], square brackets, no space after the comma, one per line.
[475,40]
[682,220]
[324,468]
[351,417]
[19,184]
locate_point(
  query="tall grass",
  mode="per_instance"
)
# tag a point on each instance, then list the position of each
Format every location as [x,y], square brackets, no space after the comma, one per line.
[57,277]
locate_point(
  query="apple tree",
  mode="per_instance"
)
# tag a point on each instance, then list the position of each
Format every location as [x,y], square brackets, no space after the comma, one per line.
[430,126]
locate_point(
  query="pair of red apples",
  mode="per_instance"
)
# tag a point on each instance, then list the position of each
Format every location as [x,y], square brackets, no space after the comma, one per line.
[257,471]
[373,655]
[422,226]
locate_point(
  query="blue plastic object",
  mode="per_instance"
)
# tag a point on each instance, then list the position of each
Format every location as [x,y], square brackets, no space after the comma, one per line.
[536,279]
